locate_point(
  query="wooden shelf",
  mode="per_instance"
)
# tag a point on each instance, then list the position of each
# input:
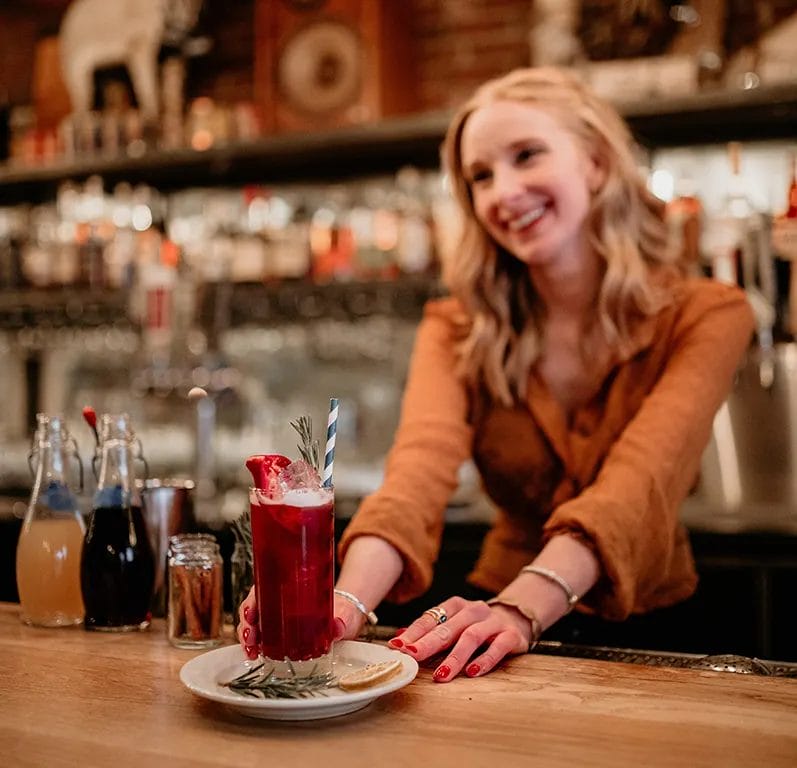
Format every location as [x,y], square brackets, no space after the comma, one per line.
[716,116]
[379,148]
[382,148]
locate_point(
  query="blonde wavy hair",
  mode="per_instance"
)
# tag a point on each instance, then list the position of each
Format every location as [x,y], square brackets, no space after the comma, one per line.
[626,228]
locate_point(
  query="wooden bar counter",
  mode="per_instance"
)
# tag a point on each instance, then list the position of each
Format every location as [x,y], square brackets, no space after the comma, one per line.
[75,698]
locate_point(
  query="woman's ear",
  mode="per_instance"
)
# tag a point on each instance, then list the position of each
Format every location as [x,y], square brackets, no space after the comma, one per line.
[596,172]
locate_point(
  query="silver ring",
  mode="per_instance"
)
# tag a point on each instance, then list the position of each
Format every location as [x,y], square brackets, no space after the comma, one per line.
[438,614]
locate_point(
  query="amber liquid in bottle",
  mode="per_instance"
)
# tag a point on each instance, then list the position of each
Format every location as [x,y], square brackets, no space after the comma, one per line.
[51,540]
[48,572]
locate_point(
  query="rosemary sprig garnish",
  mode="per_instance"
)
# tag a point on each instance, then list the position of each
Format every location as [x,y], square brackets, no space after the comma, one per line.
[259,684]
[242,530]
[308,448]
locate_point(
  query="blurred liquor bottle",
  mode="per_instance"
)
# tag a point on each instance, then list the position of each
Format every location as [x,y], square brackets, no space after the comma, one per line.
[5,114]
[784,244]
[332,242]
[13,224]
[726,231]
[736,241]
[684,218]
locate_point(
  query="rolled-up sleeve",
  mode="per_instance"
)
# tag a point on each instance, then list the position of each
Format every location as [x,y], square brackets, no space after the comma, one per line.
[629,515]
[432,441]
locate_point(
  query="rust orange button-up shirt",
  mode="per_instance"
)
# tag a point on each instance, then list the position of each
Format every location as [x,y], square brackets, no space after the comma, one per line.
[614,474]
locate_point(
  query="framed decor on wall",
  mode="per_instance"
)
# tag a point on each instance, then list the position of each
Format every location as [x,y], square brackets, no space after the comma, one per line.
[323,64]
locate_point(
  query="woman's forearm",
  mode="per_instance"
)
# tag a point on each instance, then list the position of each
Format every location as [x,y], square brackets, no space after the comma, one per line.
[571,560]
[370,569]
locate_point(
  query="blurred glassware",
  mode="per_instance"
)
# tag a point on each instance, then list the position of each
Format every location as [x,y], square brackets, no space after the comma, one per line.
[117,567]
[51,539]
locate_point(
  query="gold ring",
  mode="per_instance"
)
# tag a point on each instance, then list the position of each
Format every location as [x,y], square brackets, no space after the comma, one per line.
[438,614]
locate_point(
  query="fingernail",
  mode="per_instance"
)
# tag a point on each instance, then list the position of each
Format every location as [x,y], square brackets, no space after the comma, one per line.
[395,642]
[400,631]
[473,670]
[249,615]
[250,651]
[442,672]
[339,630]
[247,631]
[411,648]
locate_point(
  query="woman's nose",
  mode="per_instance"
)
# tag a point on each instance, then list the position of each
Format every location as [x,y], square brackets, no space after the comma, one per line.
[507,185]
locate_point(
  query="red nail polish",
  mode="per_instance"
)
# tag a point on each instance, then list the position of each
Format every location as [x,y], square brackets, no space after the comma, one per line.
[249,615]
[247,631]
[473,670]
[401,631]
[339,629]
[250,651]
[442,672]
[395,642]
[411,648]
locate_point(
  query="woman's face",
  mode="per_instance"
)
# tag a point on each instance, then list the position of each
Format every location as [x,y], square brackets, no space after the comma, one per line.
[530,180]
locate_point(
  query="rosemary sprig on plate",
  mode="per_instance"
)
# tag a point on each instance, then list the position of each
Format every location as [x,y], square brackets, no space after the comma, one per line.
[308,448]
[258,684]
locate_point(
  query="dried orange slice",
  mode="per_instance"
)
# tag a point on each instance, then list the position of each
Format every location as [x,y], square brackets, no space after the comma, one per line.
[370,674]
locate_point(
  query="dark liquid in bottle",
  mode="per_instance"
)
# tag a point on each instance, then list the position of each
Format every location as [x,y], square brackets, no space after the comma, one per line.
[117,569]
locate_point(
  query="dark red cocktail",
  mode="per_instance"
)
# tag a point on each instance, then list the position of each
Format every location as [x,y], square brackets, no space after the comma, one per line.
[292,547]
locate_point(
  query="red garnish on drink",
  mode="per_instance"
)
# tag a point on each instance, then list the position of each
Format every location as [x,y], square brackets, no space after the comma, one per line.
[263,466]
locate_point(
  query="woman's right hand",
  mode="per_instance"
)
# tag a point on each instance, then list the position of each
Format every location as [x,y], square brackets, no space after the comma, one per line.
[247,625]
[348,623]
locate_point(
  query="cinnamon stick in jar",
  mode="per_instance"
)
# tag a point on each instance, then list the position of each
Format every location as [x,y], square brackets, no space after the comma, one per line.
[195,607]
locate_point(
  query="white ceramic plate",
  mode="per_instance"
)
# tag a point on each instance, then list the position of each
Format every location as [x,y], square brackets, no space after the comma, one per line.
[202,676]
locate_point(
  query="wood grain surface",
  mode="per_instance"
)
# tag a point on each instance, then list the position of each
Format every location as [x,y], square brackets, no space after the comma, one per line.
[74,698]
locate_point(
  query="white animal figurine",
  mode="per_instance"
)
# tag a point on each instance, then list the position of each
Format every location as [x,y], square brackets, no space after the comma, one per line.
[553,38]
[99,33]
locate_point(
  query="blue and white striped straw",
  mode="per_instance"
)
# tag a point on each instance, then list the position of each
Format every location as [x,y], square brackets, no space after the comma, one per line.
[329,454]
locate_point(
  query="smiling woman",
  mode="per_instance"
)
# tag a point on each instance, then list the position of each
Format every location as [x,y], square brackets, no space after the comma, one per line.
[574,363]
[568,152]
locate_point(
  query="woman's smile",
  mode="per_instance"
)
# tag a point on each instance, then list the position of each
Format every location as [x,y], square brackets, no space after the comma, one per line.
[526,220]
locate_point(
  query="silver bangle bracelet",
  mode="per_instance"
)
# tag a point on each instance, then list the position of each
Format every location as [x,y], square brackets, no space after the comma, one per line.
[358,604]
[547,573]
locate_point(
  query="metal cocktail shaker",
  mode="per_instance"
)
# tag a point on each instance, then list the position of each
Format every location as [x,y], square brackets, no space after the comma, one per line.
[168,510]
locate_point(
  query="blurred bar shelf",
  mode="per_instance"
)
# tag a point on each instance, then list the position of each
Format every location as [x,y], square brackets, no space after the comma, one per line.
[710,117]
[381,148]
[302,300]
[378,148]
[242,303]
[58,308]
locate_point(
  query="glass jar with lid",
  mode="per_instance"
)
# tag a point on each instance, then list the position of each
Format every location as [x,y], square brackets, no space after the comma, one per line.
[196,605]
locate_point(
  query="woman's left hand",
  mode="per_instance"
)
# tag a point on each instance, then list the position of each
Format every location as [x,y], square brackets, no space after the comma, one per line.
[469,625]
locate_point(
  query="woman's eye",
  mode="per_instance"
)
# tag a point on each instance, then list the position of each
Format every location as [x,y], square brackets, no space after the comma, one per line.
[479,177]
[526,154]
